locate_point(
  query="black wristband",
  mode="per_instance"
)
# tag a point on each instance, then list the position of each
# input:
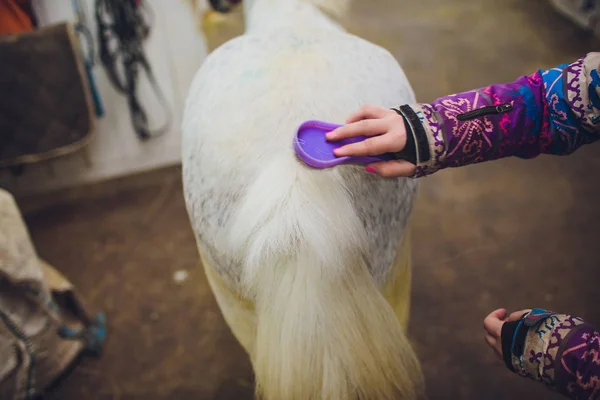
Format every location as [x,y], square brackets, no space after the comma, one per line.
[416,131]
[508,332]
[409,152]
[513,337]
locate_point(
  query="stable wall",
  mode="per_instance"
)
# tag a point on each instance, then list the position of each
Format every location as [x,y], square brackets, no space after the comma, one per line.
[175,49]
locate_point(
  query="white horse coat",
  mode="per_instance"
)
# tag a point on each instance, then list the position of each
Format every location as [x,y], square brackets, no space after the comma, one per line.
[299,258]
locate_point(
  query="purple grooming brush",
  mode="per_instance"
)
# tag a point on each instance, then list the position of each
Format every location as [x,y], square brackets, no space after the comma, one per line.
[313,148]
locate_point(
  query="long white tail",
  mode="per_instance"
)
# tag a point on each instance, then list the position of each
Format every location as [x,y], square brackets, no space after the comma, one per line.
[324,330]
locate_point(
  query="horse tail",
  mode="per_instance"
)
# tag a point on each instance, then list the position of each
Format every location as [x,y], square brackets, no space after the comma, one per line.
[324,330]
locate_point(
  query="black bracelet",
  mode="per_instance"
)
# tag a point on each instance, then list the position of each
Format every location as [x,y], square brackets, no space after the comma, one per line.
[417,144]
[409,152]
[513,340]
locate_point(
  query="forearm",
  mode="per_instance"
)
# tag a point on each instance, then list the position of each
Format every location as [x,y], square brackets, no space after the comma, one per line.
[559,350]
[554,111]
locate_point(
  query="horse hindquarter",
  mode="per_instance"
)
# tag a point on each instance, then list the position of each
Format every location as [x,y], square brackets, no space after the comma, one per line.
[298,259]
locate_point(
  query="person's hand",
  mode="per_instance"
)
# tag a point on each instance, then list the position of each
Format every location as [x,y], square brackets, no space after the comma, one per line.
[492,325]
[389,132]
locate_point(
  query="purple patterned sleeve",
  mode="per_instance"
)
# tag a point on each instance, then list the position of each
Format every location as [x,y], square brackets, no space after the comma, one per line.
[578,371]
[553,111]
[562,352]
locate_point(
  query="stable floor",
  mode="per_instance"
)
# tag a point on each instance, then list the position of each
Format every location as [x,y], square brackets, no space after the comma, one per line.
[510,233]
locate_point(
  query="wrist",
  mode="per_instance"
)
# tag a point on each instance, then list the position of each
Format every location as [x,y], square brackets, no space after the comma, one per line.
[513,339]
[410,151]
[427,136]
[516,338]
[416,150]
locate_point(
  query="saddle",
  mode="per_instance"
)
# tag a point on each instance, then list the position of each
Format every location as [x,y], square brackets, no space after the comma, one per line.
[46,107]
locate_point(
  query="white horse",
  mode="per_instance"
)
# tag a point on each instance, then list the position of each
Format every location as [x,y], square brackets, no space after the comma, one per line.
[311,268]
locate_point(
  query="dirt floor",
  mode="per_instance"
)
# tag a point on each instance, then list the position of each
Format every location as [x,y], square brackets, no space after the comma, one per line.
[510,233]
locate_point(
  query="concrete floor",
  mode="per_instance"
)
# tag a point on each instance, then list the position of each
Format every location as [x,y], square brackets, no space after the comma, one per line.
[510,233]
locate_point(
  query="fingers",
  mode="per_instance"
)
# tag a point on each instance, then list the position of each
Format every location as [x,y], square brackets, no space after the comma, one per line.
[366,112]
[392,169]
[493,330]
[367,127]
[371,146]
[493,326]
[499,313]
[493,322]
[517,315]
[491,340]
[495,344]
